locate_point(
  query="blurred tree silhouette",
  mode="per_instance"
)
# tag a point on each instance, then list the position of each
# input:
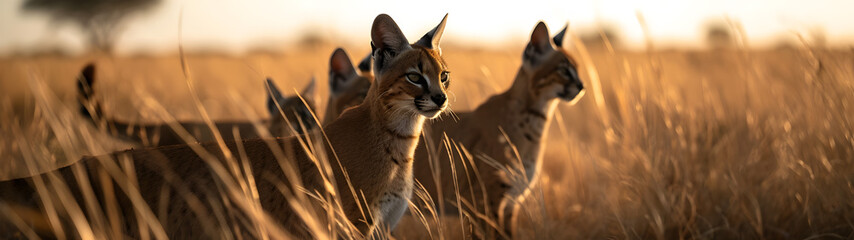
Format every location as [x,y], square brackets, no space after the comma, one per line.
[605,36]
[719,35]
[99,19]
[818,36]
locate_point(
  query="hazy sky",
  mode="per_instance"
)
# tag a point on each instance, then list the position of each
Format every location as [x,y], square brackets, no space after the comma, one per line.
[236,25]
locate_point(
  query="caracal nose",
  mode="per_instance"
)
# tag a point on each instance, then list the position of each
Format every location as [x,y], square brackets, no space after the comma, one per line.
[439,99]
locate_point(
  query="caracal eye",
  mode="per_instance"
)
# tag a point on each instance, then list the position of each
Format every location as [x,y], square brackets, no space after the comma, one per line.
[446,76]
[414,78]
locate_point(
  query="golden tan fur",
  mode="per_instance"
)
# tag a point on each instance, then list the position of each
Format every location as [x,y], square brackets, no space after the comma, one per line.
[504,135]
[373,142]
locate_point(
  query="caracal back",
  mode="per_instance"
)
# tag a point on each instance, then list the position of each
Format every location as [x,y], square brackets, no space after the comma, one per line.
[282,109]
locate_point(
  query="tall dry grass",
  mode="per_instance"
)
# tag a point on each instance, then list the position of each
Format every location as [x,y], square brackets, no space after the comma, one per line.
[668,144]
[718,145]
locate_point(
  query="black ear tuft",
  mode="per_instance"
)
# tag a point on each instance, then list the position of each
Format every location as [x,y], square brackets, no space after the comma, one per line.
[85,90]
[365,64]
[387,40]
[89,73]
[273,95]
[432,38]
[340,70]
[86,80]
[558,39]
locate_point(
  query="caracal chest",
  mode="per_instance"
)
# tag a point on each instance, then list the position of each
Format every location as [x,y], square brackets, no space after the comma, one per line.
[393,202]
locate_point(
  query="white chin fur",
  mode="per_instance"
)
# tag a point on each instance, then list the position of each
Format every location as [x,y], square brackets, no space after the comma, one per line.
[431,114]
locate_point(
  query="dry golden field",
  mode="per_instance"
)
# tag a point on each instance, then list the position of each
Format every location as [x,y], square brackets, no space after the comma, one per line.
[724,144]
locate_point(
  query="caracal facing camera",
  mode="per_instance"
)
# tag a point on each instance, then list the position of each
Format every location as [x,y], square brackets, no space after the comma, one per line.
[286,112]
[370,149]
[547,76]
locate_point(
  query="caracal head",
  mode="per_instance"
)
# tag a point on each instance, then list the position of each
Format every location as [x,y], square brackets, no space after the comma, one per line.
[552,72]
[347,88]
[284,110]
[410,78]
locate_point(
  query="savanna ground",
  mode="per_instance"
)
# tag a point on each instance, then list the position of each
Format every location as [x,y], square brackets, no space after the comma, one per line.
[725,144]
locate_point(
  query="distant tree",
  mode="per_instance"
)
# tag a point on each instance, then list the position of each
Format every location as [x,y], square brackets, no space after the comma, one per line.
[719,35]
[782,43]
[101,20]
[601,37]
[819,37]
[313,37]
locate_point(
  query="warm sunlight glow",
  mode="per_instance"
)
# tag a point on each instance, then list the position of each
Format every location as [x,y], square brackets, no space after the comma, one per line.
[236,25]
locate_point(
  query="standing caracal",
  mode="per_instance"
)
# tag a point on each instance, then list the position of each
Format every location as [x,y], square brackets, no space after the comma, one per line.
[504,135]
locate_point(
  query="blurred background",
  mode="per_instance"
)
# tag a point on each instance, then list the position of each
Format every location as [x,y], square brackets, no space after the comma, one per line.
[94,29]
[703,119]
[150,27]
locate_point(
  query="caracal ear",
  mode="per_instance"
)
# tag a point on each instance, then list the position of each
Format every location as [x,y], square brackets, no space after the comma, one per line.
[538,45]
[309,92]
[273,95]
[558,39]
[387,41]
[340,70]
[432,38]
[86,80]
[85,92]
[365,64]
[89,73]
